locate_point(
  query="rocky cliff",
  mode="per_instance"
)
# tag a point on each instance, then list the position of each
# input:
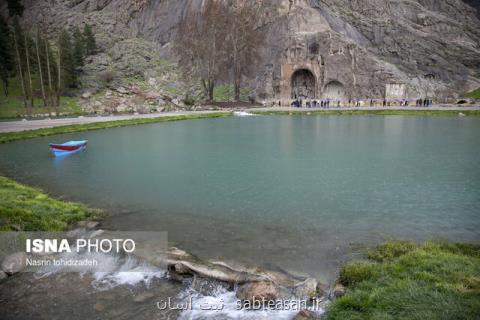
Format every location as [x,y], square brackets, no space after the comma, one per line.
[342,49]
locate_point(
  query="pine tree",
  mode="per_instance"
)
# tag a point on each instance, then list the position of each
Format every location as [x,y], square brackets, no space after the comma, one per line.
[15,8]
[78,48]
[6,57]
[90,44]
[67,76]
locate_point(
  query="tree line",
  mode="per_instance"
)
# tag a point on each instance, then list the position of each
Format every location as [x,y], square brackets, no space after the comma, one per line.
[221,42]
[27,52]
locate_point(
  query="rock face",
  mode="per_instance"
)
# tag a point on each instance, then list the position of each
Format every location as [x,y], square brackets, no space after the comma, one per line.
[348,49]
[14,263]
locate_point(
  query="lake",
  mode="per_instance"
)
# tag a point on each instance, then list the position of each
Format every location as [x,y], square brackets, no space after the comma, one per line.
[300,193]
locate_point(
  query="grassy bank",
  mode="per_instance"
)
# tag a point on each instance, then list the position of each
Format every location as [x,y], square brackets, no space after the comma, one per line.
[12,107]
[402,280]
[30,209]
[12,136]
[379,112]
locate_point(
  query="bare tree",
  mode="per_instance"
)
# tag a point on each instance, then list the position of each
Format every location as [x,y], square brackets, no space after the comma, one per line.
[40,72]
[245,37]
[201,44]
[50,89]
[59,84]
[27,54]
[19,63]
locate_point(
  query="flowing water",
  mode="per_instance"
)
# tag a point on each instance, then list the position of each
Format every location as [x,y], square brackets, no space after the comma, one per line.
[299,193]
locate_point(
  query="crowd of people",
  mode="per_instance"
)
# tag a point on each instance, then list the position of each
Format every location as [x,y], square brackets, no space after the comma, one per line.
[424,103]
[328,103]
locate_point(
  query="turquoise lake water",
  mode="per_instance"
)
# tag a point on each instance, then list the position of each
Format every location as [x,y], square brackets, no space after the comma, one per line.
[300,193]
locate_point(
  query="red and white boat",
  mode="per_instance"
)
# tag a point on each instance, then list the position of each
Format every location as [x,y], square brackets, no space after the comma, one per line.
[68,147]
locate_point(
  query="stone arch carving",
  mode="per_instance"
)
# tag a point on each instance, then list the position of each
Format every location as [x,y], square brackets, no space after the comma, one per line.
[303,84]
[334,90]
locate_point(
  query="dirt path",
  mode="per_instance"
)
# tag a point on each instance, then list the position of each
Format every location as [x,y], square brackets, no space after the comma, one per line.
[23,125]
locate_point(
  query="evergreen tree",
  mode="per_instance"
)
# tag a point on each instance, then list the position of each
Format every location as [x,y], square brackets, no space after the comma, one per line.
[6,54]
[90,44]
[78,48]
[15,8]
[68,78]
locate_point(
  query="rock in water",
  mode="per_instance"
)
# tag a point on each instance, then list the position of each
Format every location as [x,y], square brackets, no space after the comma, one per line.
[338,291]
[258,291]
[306,315]
[306,289]
[14,263]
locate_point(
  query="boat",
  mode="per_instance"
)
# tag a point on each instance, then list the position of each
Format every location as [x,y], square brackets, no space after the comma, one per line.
[67,147]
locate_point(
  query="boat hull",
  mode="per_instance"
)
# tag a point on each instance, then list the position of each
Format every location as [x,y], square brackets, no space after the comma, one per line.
[68,147]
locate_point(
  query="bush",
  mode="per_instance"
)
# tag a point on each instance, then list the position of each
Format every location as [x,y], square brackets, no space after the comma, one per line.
[106,77]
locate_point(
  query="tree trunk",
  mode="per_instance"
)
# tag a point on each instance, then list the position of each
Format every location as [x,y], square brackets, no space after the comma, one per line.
[237,92]
[208,87]
[50,90]
[40,73]
[20,70]
[59,82]
[5,87]
[28,70]
[211,87]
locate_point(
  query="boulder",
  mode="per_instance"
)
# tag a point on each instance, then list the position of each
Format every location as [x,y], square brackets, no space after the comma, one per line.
[3,275]
[122,90]
[306,315]
[306,289]
[258,291]
[338,291]
[152,95]
[86,95]
[92,224]
[178,272]
[14,263]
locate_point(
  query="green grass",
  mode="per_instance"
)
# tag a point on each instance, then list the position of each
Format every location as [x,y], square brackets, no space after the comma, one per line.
[12,136]
[12,106]
[403,280]
[475,94]
[374,112]
[29,209]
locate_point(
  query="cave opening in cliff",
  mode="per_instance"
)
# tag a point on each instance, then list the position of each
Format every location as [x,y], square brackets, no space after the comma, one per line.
[334,90]
[303,85]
